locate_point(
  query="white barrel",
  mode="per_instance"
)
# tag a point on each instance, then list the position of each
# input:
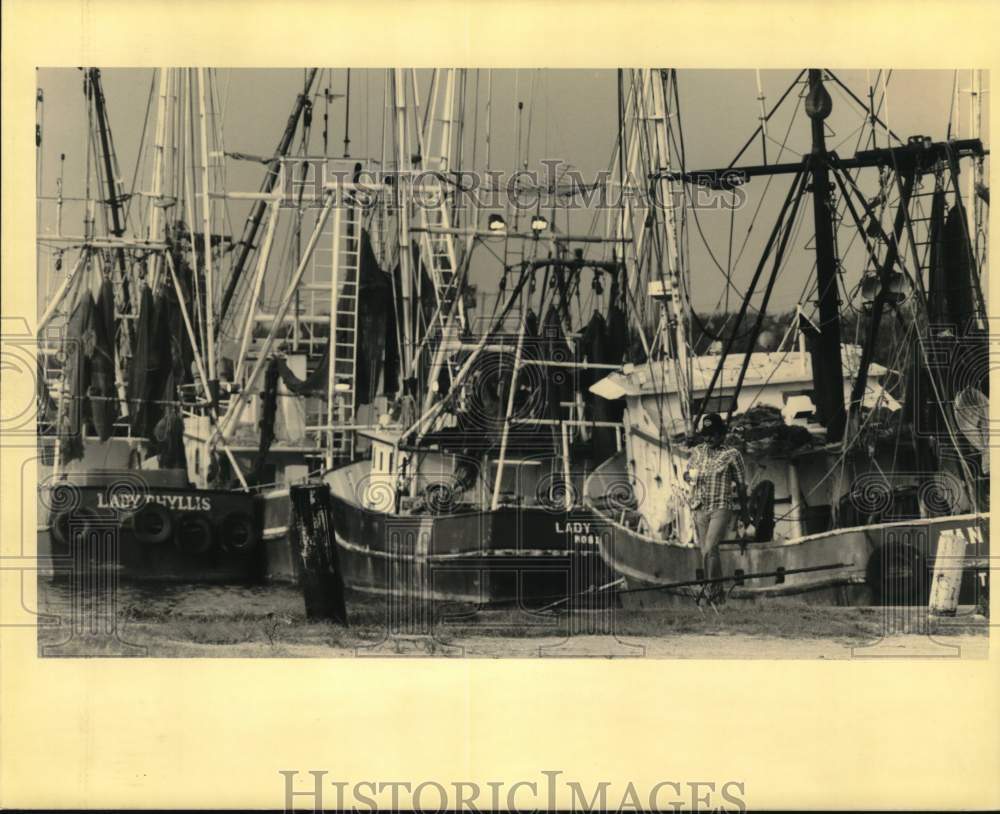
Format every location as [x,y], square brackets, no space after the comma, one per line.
[948,566]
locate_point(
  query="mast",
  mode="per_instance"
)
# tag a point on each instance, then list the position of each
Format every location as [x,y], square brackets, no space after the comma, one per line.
[647,243]
[670,257]
[977,192]
[155,216]
[402,221]
[257,213]
[206,214]
[123,339]
[828,375]
[113,202]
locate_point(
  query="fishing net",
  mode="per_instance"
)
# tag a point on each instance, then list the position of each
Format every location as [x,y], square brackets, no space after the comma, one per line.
[762,430]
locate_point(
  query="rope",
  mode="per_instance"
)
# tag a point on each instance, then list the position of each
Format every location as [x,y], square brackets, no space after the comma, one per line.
[703,583]
[142,141]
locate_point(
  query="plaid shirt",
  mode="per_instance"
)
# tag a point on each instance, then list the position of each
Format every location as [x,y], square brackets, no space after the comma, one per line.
[717,469]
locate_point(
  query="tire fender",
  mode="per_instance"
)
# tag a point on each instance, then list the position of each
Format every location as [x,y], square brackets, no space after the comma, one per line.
[194,533]
[153,524]
[238,532]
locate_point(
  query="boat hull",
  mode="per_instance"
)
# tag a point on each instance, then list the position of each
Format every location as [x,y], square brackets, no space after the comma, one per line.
[529,556]
[888,563]
[181,535]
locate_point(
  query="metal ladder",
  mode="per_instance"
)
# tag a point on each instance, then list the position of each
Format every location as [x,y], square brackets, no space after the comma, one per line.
[920,232]
[438,247]
[341,395]
[439,258]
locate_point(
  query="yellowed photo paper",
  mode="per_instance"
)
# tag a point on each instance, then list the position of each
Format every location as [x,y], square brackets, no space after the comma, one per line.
[458,407]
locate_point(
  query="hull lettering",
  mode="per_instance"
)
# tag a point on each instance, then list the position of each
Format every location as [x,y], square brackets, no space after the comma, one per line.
[179,503]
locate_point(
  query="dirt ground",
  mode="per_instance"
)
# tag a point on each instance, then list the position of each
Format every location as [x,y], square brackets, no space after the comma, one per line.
[230,623]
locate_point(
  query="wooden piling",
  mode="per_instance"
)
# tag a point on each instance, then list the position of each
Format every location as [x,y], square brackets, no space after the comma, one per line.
[314,550]
[949,564]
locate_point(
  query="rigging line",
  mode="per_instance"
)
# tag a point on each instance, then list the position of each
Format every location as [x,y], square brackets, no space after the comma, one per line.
[142,141]
[222,170]
[900,262]
[87,143]
[810,280]
[687,194]
[844,204]
[682,365]
[770,178]
[548,110]
[904,347]
[706,331]
[947,421]
[458,139]
[347,117]
[876,110]
[792,327]
[850,93]
[951,106]
[475,125]
[654,248]
[656,252]
[859,228]
[794,194]
[871,102]
[531,116]
[649,154]
[40,182]
[729,258]
[885,98]
[684,235]
[221,174]
[859,129]
[367,123]
[756,212]
[920,342]
[621,161]
[595,218]
[489,117]
[225,96]
[685,290]
[779,256]
[697,223]
[902,218]
[767,118]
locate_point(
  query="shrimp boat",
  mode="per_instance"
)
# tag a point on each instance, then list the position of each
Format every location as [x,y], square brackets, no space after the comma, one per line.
[454,446]
[859,471]
[127,359]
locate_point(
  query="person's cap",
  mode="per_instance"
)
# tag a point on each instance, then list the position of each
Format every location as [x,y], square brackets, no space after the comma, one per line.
[712,425]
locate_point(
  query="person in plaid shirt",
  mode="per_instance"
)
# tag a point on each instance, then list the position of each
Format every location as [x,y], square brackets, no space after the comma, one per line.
[717,475]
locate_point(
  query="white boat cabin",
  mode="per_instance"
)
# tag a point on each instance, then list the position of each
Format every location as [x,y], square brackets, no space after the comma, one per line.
[782,380]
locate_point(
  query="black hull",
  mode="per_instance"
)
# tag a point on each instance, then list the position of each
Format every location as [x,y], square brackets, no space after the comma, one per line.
[524,556]
[527,556]
[188,538]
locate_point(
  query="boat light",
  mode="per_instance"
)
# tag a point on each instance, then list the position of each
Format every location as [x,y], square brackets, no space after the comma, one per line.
[899,287]
[539,224]
[496,223]
[870,286]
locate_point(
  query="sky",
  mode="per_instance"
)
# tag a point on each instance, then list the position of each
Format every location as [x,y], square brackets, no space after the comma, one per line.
[569,115]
